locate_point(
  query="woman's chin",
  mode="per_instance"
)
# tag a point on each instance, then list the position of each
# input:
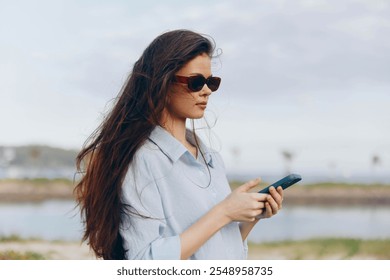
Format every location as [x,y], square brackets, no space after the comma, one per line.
[197,116]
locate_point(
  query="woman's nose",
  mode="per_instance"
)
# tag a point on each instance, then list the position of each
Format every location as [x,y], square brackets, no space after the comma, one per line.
[206,90]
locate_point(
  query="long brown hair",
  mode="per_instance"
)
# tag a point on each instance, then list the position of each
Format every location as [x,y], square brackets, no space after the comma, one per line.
[108,152]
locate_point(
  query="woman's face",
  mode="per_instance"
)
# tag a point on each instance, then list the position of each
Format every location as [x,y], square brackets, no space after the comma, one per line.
[182,102]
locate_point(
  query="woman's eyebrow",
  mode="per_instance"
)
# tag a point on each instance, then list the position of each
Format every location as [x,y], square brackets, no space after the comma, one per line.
[195,74]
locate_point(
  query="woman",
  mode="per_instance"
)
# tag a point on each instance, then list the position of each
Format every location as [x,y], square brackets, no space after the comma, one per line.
[151,188]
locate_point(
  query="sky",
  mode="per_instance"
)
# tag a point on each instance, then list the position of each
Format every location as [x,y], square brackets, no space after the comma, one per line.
[308,77]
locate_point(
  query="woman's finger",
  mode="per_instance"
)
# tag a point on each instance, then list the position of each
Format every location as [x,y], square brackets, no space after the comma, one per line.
[268,210]
[276,195]
[281,192]
[260,205]
[248,185]
[273,204]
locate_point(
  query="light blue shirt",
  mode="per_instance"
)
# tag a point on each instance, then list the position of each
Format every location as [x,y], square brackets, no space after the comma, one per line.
[169,186]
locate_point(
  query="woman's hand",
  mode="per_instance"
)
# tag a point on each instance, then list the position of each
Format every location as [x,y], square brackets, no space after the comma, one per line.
[244,206]
[241,205]
[273,203]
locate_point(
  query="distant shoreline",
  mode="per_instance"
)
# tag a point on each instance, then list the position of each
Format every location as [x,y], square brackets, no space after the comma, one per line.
[13,191]
[35,190]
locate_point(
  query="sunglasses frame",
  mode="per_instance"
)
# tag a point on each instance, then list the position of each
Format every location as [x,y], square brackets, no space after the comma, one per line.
[188,80]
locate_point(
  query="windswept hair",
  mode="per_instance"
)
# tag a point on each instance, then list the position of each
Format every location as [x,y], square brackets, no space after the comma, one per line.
[108,152]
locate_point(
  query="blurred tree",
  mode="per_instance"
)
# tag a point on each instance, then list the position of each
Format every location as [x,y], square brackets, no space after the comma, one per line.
[375,162]
[34,153]
[288,157]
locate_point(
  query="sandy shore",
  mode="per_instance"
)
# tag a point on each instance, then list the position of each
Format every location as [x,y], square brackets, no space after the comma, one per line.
[51,250]
[334,195]
[20,190]
[74,251]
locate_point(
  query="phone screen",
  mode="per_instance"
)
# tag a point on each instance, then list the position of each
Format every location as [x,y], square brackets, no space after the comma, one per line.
[284,183]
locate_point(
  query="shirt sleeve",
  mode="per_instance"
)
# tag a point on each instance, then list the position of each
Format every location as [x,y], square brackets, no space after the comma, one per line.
[145,236]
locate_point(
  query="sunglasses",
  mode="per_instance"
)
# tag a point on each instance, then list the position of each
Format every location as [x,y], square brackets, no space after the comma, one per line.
[196,83]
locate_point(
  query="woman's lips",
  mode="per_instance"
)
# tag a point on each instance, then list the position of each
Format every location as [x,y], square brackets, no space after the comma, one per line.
[202,105]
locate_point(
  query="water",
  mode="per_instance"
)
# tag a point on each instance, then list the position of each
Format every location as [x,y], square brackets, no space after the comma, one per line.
[50,220]
[304,222]
[59,220]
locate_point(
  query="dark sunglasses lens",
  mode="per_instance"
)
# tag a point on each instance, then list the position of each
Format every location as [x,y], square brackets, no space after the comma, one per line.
[196,83]
[213,83]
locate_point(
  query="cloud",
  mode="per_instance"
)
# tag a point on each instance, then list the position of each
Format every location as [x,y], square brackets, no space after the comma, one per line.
[306,50]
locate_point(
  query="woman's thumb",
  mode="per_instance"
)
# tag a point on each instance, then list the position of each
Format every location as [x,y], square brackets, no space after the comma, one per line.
[249,185]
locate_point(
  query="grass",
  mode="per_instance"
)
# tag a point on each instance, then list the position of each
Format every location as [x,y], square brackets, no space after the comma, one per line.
[12,255]
[39,181]
[16,238]
[329,185]
[330,248]
[311,249]
[11,238]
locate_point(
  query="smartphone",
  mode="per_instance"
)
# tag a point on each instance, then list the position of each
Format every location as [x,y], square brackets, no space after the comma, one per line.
[284,183]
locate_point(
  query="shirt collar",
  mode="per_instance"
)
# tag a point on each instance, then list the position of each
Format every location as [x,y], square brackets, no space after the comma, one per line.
[205,150]
[172,148]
